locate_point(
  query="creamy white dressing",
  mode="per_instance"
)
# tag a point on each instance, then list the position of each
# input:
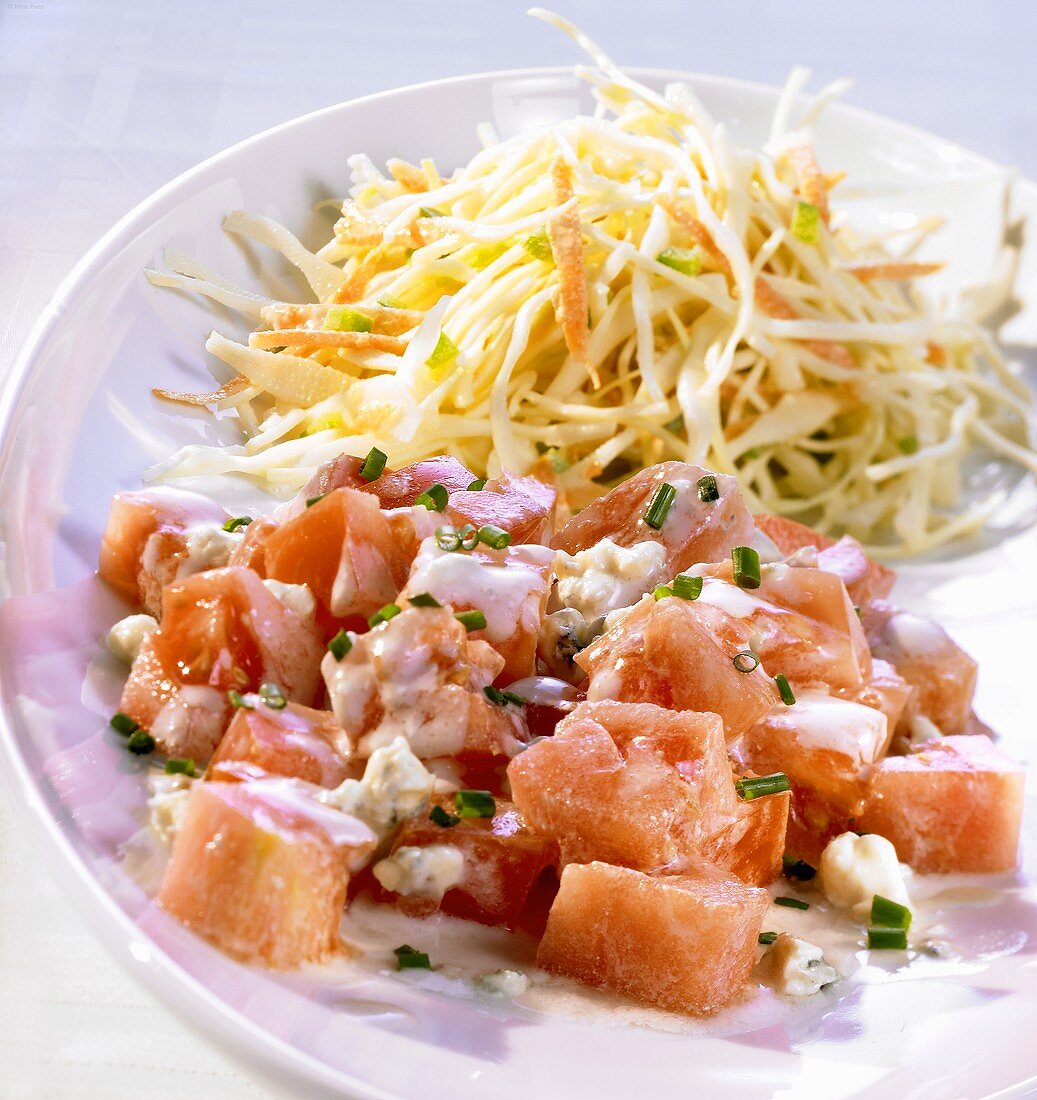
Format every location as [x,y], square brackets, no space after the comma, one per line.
[544,691]
[125,639]
[606,577]
[737,602]
[195,711]
[818,720]
[207,546]
[296,597]
[915,636]
[167,804]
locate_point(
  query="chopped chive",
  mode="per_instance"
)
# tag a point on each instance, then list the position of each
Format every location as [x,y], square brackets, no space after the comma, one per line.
[311,501]
[238,701]
[178,766]
[688,261]
[661,591]
[767,938]
[676,424]
[708,491]
[123,723]
[889,914]
[746,562]
[434,498]
[140,742]
[887,939]
[494,537]
[797,869]
[909,444]
[660,506]
[438,816]
[383,615]
[792,903]
[430,212]
[387,301]
[806,219]
[788,697]
[347,319]
[372,466]
[746,661]
[340,645]
[423,599]
[503,698]
[475,803]
[237,521]
[478,485]
[442,353]
[273,696]
[753,452]
[538,245]
[471,620]
[857,611]
[469,536]
[758,786]
[687,586]
[447,539]
[409,958]
[512,697]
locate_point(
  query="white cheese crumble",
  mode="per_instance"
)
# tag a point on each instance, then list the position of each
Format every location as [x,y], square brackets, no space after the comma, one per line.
[606,577]
[856,868]
[208,547]
[296,597]
[167,804]
[795,968]
[503,983]
[127,636]
[428,871]
[395,786]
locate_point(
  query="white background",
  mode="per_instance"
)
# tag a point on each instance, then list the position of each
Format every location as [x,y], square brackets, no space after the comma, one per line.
[101,102]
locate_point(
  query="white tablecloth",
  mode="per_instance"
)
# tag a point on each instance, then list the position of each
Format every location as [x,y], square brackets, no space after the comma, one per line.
[102,101]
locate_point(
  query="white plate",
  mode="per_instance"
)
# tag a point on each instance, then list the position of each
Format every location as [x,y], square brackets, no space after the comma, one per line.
[65,452]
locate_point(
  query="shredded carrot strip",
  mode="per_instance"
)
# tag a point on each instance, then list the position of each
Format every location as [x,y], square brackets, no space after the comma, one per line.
[326,338]
[228,389]
[289,315]
[698,232]
[812,183]
[566,237]
[892,269]
[774,305]
[936,355]
[357,227]
[412,178]
[354,287]
[833,179]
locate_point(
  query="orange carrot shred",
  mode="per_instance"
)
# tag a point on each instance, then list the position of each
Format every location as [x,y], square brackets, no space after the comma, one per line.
[411,177]
[892,269]
[179,397]
[778,307]
[327,338]
[812,183]
[566,239]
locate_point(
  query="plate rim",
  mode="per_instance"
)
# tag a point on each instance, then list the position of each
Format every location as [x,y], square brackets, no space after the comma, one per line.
[250,1045]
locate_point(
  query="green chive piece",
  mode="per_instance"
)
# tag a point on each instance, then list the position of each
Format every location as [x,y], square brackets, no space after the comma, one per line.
[909,444]
[387,301]
[469,536]
[273,696]
[887,939]
[383,615]
[430,212]
[746,661]
[792,903]
[447,539]
[758,786]
[373,465]
[687,586]
[806,220]
[123,723]
[788,697]
[797,869]
[478,485]
[494,537]
[178,766]
[311,501]
[237,521]
[503,698]
[140,742]
[475,803]
[438,816]
[661,591]
[767,938]
[471,620]
[434,498]
[688,261]
[444,351]
[423,599]
[746,563]
[889,914]
[512,697]
[538,245]
[660,506]
[409,958]
[238,701]
[340,645]
[347,319]
[708,491]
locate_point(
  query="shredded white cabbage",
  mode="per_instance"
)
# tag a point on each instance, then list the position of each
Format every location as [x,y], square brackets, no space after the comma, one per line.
[718,328]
